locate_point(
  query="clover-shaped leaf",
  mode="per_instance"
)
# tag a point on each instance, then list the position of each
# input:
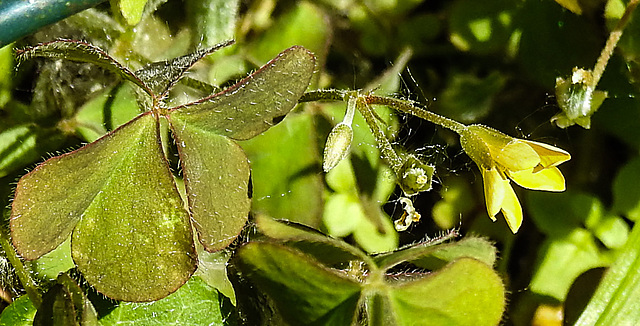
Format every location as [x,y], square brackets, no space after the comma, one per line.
[130,232]
[306,288]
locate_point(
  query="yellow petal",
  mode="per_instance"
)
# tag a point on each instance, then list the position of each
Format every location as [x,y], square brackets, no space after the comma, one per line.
[549,179]
[511,209]
[494,189]
[516,155]
[549,155]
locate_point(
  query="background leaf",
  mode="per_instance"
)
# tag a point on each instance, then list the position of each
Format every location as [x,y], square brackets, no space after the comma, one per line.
[304,24]
[285,167]
[617,299]
[23,144]
[215,20]
[195,303]
[19,313]
[131,10]
[626,199]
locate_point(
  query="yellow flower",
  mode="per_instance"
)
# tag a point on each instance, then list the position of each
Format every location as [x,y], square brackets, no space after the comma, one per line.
[502,158]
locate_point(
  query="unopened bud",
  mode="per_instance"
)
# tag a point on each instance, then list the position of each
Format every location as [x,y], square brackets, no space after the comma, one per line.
[337,146]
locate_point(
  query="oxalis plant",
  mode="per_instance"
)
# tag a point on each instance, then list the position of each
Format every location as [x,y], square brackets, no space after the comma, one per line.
[195,204]
[116,197]
[131,233]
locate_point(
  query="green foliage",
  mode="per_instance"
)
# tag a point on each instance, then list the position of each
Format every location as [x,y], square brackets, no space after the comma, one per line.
[572,247]
[284,165]
[82,192]
[176,137]
[131,10]
[20,313]
[195,303]
[618,296]
[307,291]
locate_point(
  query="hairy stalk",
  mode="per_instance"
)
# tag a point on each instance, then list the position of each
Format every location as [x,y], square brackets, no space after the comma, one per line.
[612,41]
[394,161]
[414,109]
[22,273]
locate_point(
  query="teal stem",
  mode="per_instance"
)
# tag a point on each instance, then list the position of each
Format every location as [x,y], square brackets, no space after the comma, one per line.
[19,18]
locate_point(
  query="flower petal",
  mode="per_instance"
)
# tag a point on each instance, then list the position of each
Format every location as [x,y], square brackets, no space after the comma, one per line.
[549,179]
[494,189]
[511,209]
[517,155]
[549,155]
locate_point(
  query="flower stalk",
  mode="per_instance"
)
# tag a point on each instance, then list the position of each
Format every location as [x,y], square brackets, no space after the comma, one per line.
[500,158]
[612,41]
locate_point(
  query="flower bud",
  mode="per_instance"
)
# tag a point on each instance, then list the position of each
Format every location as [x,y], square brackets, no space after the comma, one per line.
[337,146]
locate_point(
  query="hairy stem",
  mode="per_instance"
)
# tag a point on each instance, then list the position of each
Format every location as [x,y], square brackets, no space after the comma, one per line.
[612,41]
[414,109]
[394,161]
[22,273]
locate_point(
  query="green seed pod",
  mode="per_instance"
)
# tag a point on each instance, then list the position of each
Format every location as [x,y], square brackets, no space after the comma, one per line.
[577,99]
[337,146]
[415,176]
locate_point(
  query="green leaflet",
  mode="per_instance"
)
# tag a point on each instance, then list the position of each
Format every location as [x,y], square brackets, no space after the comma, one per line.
[120,186]
[216,175]
[161,76]
[435,254]
[19,313]
[81,52]
[465,292]
[254,104]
